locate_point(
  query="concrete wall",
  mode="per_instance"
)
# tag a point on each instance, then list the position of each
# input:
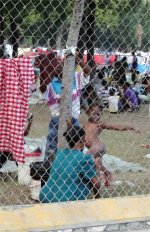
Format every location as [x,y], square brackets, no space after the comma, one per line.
[131,226]
[116,214]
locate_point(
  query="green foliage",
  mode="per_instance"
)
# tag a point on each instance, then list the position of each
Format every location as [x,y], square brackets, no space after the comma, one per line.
[33,18]
[107,12]
[116,20]
[106,18]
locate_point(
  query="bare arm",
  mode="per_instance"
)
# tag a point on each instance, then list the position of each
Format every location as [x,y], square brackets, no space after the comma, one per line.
[109,126]
[145,146]
[86,69]
[100,167]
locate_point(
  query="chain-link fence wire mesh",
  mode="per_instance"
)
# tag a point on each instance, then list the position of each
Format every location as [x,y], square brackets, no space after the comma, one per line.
[110,93]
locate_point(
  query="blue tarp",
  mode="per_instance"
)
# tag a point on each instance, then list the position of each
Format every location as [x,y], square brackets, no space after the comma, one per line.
[143,68]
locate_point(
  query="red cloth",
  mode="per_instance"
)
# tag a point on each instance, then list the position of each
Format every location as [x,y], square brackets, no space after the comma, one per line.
[112,59]
[41,51]
[16,76]
[100,59]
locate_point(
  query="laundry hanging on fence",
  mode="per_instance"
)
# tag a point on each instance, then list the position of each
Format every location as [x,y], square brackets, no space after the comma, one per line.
[16,77]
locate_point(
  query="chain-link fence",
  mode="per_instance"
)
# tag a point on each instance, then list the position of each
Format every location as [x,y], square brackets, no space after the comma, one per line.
[74,100]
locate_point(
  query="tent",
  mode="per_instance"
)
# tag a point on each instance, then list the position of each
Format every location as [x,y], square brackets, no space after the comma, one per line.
[100,59]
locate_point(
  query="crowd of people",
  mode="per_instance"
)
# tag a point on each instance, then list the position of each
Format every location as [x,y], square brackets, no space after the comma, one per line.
[74,174]
[110,86]
[77,172]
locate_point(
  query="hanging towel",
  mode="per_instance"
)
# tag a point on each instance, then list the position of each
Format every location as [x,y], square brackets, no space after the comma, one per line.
[16,77]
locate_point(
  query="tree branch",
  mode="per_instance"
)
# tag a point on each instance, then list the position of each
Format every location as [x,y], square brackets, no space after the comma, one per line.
[68,72]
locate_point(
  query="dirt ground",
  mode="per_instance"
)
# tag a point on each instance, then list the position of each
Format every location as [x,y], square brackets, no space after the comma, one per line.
[124,145]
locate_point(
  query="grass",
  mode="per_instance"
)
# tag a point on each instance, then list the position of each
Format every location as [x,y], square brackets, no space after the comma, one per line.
[125,145]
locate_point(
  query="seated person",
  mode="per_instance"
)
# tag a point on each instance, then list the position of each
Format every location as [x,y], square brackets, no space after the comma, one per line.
[141,92]
[105,92]
[138,88]
[131,97]
[113,101]
[72,172]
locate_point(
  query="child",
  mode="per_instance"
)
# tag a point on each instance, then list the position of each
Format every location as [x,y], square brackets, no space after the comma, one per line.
[113,101]
[93,129]
[105,92]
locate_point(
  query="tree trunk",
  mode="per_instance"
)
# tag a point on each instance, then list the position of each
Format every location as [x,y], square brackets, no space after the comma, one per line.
[34,41]
[69,68]
[1,31]
[59,37]
[82,37]
[14,36]
[91,6]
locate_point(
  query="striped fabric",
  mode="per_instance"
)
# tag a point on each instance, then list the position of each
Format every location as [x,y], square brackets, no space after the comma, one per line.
[54,89]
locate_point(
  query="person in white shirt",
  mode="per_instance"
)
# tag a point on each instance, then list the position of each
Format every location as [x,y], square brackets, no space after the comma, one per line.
[113,100]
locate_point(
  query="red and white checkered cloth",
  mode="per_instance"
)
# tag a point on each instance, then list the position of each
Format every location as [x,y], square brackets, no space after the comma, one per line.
[16,77]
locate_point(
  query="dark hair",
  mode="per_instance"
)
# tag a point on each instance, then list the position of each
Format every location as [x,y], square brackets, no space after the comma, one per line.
[127,84]
[124,59]
[100,75]
[121,83]
[73,135]
[112,92]
[104,82]
[95,104]
[89,88]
